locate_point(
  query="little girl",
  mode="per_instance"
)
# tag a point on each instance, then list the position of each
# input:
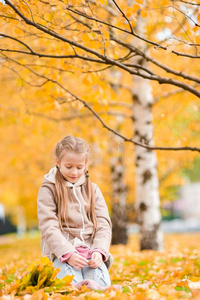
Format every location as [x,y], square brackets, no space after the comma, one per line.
[73,217]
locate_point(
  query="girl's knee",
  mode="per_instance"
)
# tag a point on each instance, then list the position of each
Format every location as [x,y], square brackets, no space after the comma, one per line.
[102,276]
[66,269]
[99,275]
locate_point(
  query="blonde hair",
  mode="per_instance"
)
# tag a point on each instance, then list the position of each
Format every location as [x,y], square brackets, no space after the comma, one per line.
[77,146]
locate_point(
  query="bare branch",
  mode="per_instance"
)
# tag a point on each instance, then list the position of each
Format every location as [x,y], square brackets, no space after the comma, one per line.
[115,27]
[78,116]
[166,95]
[172,71]
[53,56]
[105,59]
[154,77]
[17,40]
[156,62]
[81,22]
[29,83]
[76,98]
[123,104]
[136,66]
[18,74]
[50,67]
[109,9]
[187,17]
[124,16]
[175,8]
[7,17]
[185,55]
[127,139]
[29,9]
[190,3]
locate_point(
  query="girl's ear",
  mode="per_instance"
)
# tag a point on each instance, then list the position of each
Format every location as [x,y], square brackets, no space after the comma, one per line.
[86,167]
[57,162]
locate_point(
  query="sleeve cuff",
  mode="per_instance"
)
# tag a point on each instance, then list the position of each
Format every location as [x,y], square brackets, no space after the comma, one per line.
[103,253]
[66,256]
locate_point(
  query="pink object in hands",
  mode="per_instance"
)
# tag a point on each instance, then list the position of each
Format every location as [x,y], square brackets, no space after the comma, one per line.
[83,251]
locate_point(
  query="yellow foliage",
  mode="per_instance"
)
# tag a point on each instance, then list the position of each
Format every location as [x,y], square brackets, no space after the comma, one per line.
[133,22]
[86,38]
[135,7]
[164,2]
[170,274]
[40,275]
[33,110]
[143,13]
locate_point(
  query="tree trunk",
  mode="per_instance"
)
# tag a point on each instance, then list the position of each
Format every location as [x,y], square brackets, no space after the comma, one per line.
[119,193]
[147,194]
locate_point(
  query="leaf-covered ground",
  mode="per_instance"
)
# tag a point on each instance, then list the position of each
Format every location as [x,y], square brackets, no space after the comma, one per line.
[171,274]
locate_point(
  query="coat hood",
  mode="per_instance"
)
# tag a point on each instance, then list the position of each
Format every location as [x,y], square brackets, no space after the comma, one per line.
[51,178]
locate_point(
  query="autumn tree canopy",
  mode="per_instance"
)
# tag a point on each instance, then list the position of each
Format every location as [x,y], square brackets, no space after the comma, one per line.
[103,32]
[60,55]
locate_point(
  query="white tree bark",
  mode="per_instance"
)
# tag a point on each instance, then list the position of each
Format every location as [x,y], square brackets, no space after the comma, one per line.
[147,185]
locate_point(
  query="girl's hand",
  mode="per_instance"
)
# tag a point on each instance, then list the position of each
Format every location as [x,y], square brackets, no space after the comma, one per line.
[77,261]
[96,260]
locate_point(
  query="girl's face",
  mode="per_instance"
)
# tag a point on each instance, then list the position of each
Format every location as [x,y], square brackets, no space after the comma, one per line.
[72,166]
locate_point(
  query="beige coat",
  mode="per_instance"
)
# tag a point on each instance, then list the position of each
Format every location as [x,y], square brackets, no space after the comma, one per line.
[56,243]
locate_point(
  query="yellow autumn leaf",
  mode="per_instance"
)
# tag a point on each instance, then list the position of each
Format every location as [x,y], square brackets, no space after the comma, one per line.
[103,2]
[164,2]
[68,279]
[133,23]
[198,40]
[106,35]
[195,29]
[86,37]
[129,14]
[87,79]
[143,13]
[17,30]
[142,275]
[3,7]
[135,7]
[48,16]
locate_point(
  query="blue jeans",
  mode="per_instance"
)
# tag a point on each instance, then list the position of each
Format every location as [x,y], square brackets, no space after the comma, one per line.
[99,275]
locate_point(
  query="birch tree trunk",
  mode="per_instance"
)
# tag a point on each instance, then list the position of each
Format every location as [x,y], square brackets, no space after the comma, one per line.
[117,170]
[147,185]
[119,193]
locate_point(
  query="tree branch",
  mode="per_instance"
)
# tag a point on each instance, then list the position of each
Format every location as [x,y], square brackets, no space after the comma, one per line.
[54,56]
[185,55]
[155,62]
[106,59]
[124,16]
[115,27]
[125,138]
[185,2]
[186,16]
[17,40]
[29,83]
[166,95]
[76,98]
[77,116]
